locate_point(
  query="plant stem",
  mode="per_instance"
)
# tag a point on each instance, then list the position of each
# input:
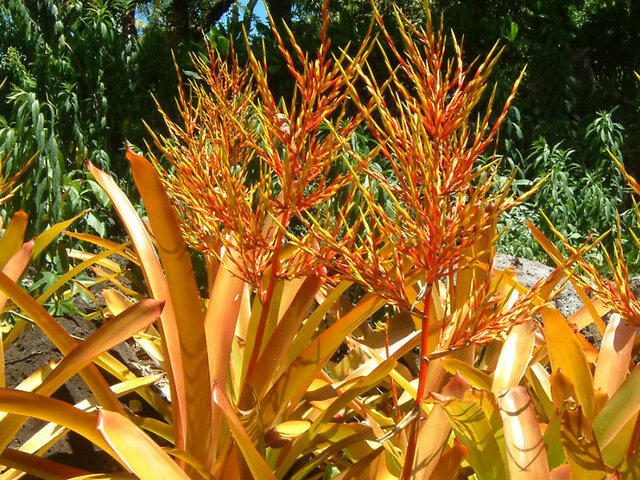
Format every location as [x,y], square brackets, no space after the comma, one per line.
[422,385]
[266,305]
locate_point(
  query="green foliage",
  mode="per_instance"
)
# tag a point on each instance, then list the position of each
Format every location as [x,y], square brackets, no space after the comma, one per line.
[78,83]
[582,194]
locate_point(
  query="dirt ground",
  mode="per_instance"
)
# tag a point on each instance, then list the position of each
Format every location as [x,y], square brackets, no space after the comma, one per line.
[31,352]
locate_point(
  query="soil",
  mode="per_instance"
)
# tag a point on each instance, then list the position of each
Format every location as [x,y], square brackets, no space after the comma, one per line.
[31,352]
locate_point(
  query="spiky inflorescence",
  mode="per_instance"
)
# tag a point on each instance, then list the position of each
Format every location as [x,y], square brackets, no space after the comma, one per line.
[439,201]
[615,292]
[216,178]
[244,167]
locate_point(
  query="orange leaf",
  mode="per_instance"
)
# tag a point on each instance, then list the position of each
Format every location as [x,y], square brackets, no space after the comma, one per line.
[29,404]
[37,466]
[13,237]
[313,358]
[159,289]
[526,453]
[220,323]
[612,367]
[136,450]
[449,464]
[115,331]
[255,461]
[566,353]
[60,338]
[13,269]
[186,304]
[514,357]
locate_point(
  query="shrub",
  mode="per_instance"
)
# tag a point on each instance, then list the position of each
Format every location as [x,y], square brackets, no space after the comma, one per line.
[453,381]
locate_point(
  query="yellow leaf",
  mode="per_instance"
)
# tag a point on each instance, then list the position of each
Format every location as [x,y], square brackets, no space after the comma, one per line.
[139,453]
[474,376]
[13,236]
[285,432]
[623,407]
[514,357]
[526,453]
[43,240]
[566,353]
[255,461]
[580,446]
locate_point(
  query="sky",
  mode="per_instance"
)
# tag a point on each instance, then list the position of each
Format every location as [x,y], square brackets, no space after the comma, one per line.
[259,11]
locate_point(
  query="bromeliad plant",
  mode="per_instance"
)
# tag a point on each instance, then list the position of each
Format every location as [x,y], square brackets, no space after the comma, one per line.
[275,373]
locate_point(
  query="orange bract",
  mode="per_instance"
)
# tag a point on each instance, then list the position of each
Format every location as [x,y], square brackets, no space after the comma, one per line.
[245,167]
[614,292]
[439,201]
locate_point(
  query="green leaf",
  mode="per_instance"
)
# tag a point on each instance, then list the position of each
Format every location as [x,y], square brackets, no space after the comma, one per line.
[472,428]
[622,407]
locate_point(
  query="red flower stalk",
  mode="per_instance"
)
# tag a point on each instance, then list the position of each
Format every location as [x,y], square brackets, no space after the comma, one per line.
[439,201]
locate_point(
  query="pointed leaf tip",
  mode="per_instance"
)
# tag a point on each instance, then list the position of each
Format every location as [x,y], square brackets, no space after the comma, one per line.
[133,156]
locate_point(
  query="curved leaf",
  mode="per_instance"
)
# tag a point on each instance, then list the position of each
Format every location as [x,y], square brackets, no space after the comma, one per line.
[255,461]
[29,404]
[526,453]
[615,356]
[185,298]
[60,338]
[13,236]
[136,450]
[566,353]
[514,357]
[115,331]
[159,289]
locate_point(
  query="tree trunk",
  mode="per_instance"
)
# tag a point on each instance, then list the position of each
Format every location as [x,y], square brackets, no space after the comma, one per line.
[280,11]
[180,19]
[216,12]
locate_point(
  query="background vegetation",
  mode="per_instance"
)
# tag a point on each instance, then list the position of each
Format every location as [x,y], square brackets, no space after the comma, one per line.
[81,77]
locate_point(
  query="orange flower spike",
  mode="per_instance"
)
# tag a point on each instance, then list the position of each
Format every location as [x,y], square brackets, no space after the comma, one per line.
[211,154]
[616,292]
[318,98]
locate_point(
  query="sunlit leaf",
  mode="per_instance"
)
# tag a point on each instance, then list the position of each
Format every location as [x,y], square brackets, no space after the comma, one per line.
[615,356]
[616,414]
[256,462]
[580,446]
[185,299]
[159,289]
[13,237]
[514,357]
[566,353]
[473,430]
[526,455]
[135,449]
[449,464]
[43,240]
